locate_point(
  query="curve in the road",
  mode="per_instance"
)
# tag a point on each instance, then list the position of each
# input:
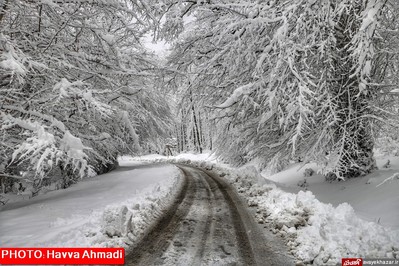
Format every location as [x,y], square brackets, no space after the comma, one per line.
[207,225]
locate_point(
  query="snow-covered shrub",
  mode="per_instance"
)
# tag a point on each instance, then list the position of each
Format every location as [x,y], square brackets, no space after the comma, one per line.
[3,200]
[330,176]
[308,172]
[387,164]
[388,143]
[303,184]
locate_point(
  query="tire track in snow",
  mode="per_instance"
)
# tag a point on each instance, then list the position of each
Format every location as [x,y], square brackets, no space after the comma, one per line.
[207,225]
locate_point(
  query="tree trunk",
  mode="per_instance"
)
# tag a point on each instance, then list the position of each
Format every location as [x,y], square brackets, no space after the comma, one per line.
[352,131]
[3,185]
[196,132]
[3,10]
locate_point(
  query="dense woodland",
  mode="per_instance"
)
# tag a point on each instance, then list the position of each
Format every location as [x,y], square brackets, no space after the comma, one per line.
[271,81]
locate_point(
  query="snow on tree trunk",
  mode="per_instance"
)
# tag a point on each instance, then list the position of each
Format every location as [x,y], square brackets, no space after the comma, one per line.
[352,133]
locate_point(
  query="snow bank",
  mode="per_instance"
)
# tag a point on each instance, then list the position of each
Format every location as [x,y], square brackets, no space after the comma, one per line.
[315,232]
[109,210]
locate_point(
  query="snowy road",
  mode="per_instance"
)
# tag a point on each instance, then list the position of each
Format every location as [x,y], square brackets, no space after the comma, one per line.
[207,225]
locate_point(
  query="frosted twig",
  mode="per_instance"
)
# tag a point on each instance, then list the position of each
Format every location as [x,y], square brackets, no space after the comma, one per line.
[396,175]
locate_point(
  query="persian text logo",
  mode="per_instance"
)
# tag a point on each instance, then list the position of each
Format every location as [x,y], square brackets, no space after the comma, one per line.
[352,262]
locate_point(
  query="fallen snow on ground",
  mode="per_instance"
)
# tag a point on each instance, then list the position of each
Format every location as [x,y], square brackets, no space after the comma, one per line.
[109,210]
[318,221]
[374,197]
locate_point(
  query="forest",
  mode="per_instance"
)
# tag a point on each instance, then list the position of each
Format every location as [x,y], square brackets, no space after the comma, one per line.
[271,81]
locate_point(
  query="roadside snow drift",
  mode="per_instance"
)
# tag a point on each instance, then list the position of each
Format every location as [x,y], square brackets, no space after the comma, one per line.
[110,210]
[315,232]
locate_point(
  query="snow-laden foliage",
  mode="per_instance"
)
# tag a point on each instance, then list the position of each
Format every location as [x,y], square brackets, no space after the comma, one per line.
[76,85]
[290,79]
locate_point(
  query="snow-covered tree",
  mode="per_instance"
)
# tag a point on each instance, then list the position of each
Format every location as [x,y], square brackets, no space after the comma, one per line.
[288,79]
[77,87]
[386,75]
[193,128]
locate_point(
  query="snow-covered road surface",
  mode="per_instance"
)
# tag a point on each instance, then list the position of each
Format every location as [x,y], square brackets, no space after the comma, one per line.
[207,225]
